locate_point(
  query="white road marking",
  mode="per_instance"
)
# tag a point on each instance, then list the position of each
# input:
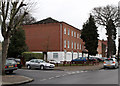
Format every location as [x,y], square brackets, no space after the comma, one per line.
[64,74]
[51,77]
[57,76]
[43,79]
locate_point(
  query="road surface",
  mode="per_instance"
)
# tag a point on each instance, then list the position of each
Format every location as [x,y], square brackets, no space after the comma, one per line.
[107,76]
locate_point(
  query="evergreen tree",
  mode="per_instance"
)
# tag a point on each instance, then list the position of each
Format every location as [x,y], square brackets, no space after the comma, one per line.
[90,36]
[17,44]
[111,32]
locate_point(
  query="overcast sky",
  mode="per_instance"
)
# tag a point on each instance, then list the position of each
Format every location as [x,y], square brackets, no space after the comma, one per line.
[73,12]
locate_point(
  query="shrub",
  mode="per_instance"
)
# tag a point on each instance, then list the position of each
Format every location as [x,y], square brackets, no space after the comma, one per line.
[29,55]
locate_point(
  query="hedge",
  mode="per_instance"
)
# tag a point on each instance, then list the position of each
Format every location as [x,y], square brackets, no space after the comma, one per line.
[29,55]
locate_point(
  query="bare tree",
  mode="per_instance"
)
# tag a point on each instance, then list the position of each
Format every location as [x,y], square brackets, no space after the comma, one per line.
[102,16]
[9,10]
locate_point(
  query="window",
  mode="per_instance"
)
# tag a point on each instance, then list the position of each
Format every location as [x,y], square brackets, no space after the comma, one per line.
[68,32]
[77,35]
[74,45]
[64,30]
[80,35]
[55,55]
[68,45]
[74,34]
[77,45]
[64,43]
[32,60]
[80,46]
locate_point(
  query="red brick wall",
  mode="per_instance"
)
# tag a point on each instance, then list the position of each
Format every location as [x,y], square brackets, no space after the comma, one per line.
[71,38]
[43,37]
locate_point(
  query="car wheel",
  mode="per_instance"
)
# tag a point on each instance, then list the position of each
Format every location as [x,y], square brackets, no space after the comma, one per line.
[28,66]
[104,67]
[41,67]
[11,71]
[115,67]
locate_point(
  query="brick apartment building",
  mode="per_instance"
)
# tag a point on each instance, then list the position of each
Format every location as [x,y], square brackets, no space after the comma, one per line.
[102,48]
[60,40]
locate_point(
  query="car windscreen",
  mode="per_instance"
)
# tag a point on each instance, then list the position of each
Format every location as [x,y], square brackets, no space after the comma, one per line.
[108,59]
[10,62]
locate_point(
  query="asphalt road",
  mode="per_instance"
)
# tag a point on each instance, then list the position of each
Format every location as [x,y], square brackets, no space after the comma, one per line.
[107,76]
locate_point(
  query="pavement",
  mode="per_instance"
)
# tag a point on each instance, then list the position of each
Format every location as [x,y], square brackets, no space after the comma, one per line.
[18,79]
[80,68]
[15,80]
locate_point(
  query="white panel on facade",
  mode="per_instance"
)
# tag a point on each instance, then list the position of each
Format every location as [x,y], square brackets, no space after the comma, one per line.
[75,55]
[80,54]
[68,56]
[58,59]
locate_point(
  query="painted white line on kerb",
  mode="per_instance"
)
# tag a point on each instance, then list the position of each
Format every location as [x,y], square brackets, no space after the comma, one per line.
[81,71]
[51,77]
[77,71]
[43,79]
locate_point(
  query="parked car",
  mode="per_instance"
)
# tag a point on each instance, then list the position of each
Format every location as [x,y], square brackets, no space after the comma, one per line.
[54,62]
[80,59]
[94,59]
[10,66]
[100,59]
[39,63]
[110,63]
[18,61]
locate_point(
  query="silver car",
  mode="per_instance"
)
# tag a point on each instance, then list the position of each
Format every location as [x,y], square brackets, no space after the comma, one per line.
[39,63]
[110,63]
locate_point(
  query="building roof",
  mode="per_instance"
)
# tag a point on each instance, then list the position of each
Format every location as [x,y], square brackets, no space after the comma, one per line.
[51,20]
[47,20]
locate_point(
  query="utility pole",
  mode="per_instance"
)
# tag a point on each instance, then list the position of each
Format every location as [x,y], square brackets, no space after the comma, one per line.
[118,31]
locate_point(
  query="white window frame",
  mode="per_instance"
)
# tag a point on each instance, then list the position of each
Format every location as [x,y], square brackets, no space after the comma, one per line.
[64,30]
[68,32]
[77,45]
[55,55]
[74,34]
[77,35]
[68,44]
[74,45]
[64,43]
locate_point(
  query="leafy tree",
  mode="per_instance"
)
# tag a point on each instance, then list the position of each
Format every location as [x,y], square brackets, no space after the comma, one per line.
[17,44]
[90,36]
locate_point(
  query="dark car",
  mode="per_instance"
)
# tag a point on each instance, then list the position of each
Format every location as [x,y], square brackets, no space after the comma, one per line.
[93,59]
[100,59]
[80,59]
[10,66]
[18,61]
